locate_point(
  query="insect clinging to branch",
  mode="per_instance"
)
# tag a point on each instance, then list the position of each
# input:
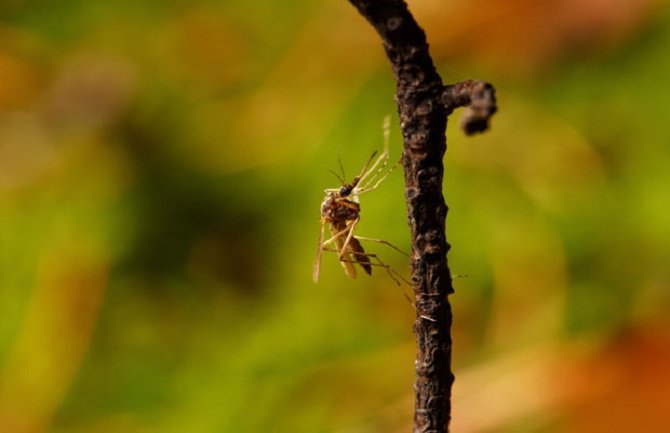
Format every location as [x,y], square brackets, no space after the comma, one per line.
[340,210]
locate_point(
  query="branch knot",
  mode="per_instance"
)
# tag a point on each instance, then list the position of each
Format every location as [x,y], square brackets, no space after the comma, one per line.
[478,97]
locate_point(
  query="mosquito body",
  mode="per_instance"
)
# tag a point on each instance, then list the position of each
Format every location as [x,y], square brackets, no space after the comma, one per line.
[340,210]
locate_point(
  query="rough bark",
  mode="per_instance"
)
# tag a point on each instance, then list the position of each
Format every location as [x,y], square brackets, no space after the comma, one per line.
[423,106]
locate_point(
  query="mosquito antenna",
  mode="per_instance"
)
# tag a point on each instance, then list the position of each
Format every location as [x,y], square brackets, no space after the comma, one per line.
[339,161]
[337,176]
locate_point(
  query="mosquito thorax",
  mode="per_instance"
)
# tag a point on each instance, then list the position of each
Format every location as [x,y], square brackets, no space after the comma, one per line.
[328,202]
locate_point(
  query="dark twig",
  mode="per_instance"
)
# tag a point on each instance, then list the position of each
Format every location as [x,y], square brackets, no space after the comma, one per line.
[423,106]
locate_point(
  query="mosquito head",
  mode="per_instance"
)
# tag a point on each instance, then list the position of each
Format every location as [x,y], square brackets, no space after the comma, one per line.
[345,190]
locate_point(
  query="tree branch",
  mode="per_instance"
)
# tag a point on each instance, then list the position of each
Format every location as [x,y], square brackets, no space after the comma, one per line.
[423,106]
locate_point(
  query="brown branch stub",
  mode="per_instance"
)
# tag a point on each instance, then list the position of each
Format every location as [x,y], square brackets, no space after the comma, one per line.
[423,106]
[478,97]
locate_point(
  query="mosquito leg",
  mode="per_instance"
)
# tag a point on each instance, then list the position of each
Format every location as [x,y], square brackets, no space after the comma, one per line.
[331,250]
[382,241]
[374,182]
[365,171]
[395,275]
[335,236]
[351,227]
[384,156]
[397,278]
[380,265]
[374,171]
[392,272]
[319,251]
[368,255]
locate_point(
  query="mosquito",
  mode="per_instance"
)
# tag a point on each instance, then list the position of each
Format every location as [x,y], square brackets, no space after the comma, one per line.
[341,209]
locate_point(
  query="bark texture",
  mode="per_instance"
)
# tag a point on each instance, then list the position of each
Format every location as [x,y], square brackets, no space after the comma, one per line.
[424,103]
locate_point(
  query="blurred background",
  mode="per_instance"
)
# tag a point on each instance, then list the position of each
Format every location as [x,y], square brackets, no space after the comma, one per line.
[161,169]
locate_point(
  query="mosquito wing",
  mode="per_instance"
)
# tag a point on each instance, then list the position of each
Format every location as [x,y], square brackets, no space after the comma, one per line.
[359,256]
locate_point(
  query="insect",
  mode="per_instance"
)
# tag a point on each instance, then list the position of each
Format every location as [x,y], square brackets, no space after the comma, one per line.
[340,210]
